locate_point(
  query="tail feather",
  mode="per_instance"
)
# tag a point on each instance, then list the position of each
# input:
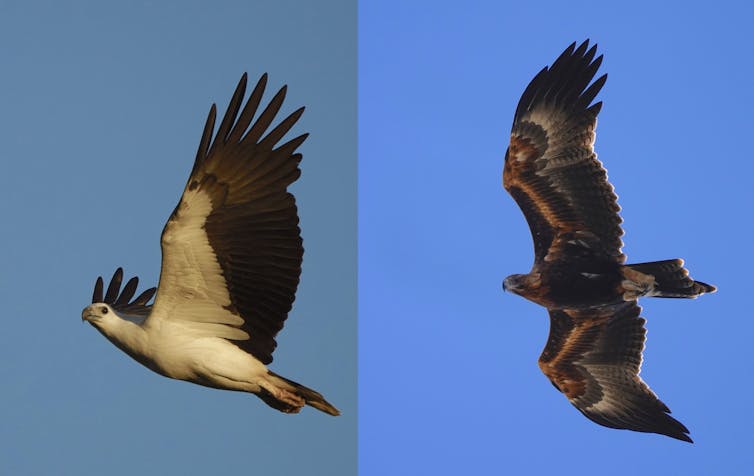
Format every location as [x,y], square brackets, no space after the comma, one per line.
[311,397]
[672,279]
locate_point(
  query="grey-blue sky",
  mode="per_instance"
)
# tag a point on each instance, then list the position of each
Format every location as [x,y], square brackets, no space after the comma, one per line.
[449,382]
[103,106]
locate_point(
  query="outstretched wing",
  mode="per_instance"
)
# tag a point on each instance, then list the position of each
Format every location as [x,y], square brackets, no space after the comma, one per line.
[594,358]
[551,169]
[121,301]
[232,250]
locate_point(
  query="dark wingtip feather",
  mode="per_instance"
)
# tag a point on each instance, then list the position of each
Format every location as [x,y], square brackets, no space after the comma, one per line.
[249,109]
[241,87]
[114,287]
[206,140]
[265,119]
[281,129]
[706,288]
[581,50]
[261,84]
[567,52]
[658,423]
[591,92]
[120,300]
[128,291]
[675,429]
[98,286]
[234,105]
[145,296]
[566,82]
[592,51]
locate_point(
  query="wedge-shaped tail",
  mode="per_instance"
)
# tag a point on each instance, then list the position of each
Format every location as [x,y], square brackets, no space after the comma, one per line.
[671,279]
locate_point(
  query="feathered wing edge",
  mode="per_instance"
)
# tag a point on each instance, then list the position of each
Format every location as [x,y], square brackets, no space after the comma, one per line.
[253,227]
[121,300]
[234,128]
[551,169]
[594,357]
[564,84]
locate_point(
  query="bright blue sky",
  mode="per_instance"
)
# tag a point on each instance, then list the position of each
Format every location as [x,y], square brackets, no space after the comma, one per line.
[448,374]
[103,107]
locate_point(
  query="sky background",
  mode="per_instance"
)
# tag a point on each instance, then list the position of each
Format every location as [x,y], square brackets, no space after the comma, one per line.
[448,375]
[103,108]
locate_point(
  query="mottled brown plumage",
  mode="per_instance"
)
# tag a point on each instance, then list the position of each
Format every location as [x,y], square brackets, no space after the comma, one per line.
[593,354]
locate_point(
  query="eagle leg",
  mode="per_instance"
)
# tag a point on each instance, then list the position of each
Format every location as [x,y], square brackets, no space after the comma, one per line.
[280,399]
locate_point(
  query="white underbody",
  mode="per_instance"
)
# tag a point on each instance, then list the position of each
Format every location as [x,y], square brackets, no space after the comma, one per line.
[189,332]
[206,360]
[182,352]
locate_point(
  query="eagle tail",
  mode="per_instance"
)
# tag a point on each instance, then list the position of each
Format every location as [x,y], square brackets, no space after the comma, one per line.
[671,279]
[311,397]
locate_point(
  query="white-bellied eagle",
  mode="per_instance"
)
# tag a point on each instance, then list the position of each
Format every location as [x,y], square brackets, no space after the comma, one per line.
[231,261]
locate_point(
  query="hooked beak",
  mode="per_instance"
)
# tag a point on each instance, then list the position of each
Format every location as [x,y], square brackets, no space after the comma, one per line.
[86,315]
[512,284]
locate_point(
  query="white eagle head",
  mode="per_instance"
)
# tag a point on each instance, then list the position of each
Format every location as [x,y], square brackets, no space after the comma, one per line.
[98,314]
[108,311]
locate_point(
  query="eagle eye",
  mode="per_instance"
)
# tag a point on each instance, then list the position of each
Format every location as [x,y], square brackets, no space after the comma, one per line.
[104,309]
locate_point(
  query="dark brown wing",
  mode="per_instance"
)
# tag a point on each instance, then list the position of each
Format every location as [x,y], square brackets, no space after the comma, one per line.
[551,169]
[594,358]
[232,249]
[121,301]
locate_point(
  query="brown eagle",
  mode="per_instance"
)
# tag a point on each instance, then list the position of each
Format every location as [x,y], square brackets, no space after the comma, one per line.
[594,352]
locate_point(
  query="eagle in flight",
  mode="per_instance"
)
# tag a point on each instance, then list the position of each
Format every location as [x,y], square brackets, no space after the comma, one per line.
[594,352]
[231,261]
